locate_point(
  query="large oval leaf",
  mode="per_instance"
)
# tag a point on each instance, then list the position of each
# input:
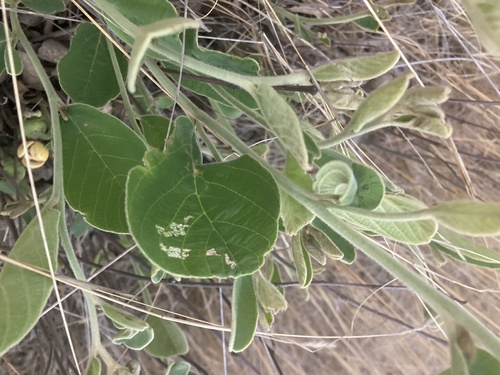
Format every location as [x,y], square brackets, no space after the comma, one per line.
[86,72]
[197,220]
[98,152]
[23,293]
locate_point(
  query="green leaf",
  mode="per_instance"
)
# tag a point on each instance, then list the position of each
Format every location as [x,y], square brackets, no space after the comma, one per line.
[313,248]
[244,314]
[155,130]
[157,274]
[236,64]
[268,295]
[266,319]
[86,72]
[367,23]
[464,249]
[344,246]
[197,220]
[95,367]
[294,215]
[469,218]
[411,231]
[146,11]
[45,6]
[432,126]
[302,262]
[283,122]
[136,341]
[370,187]
[18,62]
[336,179]
[426,95]
[122,319]
[207,90]
[144,36]
[356,69]
[24,293]
[327,246]
[312,148]
[3,45]
[345,99]
[378,103]
[178,368]
[485,17]
[484,364]
[169,340]
[96,164]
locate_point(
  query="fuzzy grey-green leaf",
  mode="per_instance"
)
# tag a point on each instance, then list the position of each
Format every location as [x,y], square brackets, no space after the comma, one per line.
[356,69]
[485,17]
[294,215]
[123,319]
[467,217]
[379,102]
[336,179]
[283,122]
[411,231]
[268,295]
[302,262]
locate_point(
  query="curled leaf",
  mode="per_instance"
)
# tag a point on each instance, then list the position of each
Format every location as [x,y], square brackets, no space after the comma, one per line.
[336,179]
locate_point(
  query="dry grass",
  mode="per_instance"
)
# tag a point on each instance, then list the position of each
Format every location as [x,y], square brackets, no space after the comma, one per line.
[380,331]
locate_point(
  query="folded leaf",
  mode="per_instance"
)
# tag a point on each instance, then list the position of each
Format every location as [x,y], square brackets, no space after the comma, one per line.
[244,314]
